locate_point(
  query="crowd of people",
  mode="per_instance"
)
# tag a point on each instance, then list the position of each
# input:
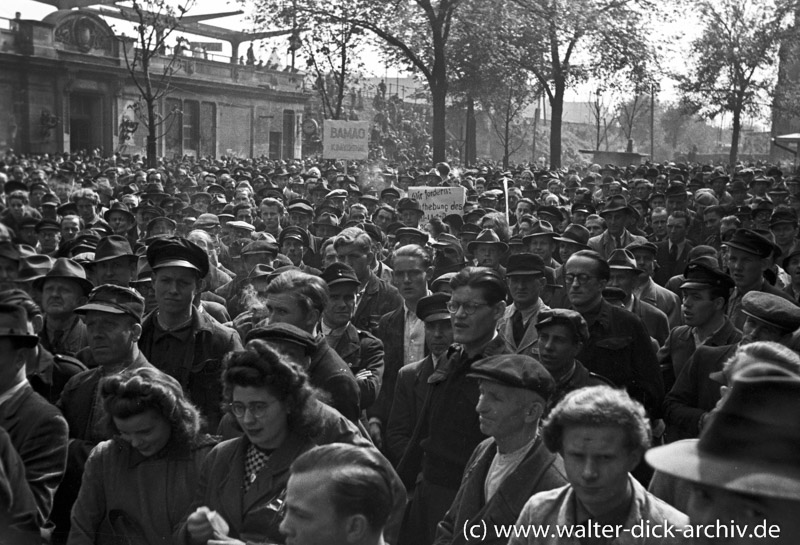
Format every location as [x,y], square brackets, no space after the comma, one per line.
[244,351]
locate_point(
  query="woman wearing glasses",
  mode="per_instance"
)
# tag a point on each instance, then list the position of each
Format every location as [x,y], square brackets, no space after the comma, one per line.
[243,482]
[139,485]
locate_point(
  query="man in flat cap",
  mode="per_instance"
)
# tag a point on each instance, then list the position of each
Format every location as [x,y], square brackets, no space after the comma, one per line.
[113,318]
[602,434]
[37,429]
[743,470]
[706,290]
[412,379]
[688,404]
[294,243]
[178,339]
[748,258]
[525,276]
[562,334]
[512,464]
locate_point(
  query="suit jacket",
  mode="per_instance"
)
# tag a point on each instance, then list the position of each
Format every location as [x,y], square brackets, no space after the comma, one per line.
[328,372]
[379,298]
[667,266]
[694,394]
[18,512]
[362,351]
[604,243]
[664,300]
[539,471]
[527,344]
[680,346]
[409,397]
[654,320]
[390,331]
[39,434]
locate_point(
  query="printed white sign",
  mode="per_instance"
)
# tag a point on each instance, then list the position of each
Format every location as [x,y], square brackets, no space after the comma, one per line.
[345,140]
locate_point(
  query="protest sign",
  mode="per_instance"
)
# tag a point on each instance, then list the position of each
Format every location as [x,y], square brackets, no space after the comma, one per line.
[438,202]
[345,140]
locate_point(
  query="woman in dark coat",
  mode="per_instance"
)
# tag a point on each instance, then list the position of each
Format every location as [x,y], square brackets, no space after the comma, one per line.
[243,481]
[138,486]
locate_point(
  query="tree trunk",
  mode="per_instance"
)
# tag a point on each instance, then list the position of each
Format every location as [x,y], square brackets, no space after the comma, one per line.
[152,153]
[438,132]
[557,109]
[507,134]
[471,151]
[737,121]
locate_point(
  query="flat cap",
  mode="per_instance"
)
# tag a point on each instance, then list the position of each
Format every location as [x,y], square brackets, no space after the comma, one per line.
[261,247]
[409,204]
[177,252]
[114,300]
[525,264]
[412,235]
[433,307]
[642,247]
[704,273]
[749,241]
[772,309]
[339,273]
[516,371]
[563,316]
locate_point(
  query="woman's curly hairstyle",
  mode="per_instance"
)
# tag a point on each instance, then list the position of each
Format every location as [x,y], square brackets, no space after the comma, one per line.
[262,366]
[137,391]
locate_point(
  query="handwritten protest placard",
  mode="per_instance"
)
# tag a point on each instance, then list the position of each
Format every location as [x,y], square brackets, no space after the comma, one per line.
[345,139]
[438,202]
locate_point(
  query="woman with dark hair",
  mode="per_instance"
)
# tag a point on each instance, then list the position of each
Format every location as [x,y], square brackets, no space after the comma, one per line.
[243,481]
[138,485]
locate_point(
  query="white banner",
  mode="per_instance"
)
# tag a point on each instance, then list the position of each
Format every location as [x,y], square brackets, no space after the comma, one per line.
[345,140]
[438,202]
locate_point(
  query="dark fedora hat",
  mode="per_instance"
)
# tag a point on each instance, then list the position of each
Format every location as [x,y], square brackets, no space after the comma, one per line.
[487,236]
[751,242]
[66,268]
[575,234]
[622,259]
[540,228]
[120,207]
[751,445]
[114,247]
[14,325]
[616,203]
[34,266]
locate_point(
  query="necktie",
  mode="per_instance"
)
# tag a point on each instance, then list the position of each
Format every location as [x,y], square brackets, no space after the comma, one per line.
[517,327]
[618,242]
[673,253]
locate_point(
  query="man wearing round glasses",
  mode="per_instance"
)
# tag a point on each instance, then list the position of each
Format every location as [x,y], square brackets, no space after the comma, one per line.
[448,426]
[619,347]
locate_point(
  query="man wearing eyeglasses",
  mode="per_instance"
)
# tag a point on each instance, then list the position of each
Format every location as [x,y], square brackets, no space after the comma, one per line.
[619,347]
[448,426]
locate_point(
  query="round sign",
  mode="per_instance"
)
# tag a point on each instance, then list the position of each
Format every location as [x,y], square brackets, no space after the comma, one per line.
[310,127]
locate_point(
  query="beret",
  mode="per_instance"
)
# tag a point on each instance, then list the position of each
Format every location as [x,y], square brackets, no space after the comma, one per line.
[772,309]
[516,371]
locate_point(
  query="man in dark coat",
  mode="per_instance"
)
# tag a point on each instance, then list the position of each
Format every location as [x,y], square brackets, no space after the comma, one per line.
[672,254]
[37,429]
[513,464]
[413,379]
[178,339]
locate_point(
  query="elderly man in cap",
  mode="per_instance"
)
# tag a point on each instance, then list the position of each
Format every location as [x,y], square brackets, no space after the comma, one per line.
[113,317]
[512,464]
[562,334]
[412,379]
[616,214]
[410,212]
[624,275]
[299,299]
[64,288]
[688,404]
[748,259]
[602,434]
[743,470]
[525,277]
[448,433]
[48,233]
[178,339]
[376,297]
[37,429]
[360,350]
[706,290]
[619,347]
